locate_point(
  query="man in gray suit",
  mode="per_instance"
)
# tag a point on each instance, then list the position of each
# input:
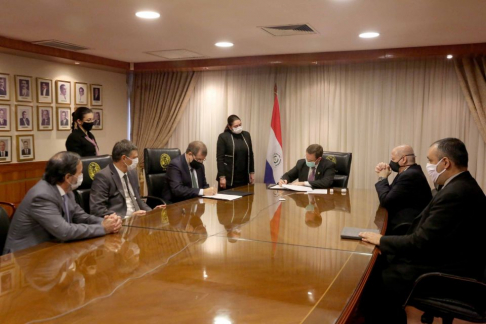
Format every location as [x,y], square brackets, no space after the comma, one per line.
[49,210]
[115,189]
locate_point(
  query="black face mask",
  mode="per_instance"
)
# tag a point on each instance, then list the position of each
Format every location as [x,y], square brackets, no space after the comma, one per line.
[195,165]
[87,126]
[394,166]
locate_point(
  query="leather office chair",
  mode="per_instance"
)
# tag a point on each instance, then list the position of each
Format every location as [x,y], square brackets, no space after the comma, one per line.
[91,166]
[449,297]
[5,222]
[342,162]
[156,161]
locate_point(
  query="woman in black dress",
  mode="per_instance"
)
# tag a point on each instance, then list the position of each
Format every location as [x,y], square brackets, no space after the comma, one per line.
[81,140]
[234,156]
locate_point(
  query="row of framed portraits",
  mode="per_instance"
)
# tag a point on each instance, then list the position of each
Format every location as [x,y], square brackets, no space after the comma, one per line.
[24,118]
[24,91]
[25,148]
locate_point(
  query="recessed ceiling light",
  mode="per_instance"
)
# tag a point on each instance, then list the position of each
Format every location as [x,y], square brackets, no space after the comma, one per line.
[450,56]
[77,63]
[224,44]
[147,14]
[369,35]
[276,62]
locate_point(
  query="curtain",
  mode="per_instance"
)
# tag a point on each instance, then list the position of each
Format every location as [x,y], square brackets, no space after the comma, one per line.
[470,72]
[160,99]
[363,108]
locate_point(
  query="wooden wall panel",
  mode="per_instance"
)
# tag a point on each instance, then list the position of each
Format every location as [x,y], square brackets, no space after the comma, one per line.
[17,178]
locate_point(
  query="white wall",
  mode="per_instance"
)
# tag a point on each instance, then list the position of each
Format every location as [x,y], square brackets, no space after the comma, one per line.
[49,142]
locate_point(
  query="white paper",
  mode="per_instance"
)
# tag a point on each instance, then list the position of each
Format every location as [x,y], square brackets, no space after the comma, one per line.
[276,187]
[223,197]
[318,192]
[297,188]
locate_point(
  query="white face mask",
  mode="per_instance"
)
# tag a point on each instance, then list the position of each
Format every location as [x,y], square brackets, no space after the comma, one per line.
[132,166]
[75,186]
[432,171]
[237,130]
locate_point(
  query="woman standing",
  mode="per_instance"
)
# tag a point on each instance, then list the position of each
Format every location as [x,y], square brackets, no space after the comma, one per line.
[234,156]
[81,140]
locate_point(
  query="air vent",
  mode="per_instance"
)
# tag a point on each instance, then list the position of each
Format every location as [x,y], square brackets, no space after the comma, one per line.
[178,54]
[290,30]
[62,45]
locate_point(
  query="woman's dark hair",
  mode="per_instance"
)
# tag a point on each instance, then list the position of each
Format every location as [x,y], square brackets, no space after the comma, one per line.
[231,120]
[59,165]
[79,114]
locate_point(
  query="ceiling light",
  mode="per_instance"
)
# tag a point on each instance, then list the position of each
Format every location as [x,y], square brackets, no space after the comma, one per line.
[449,56]
[224,44]
[276,62]
[77,63]
[147,14]
[369,35]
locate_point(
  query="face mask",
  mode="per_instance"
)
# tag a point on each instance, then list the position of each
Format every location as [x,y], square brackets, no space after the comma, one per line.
[432,171]
[237,130]
[310,208]
[87,126]
[132,166]
[311,164]
[394,166]
[75,186]
[195,165]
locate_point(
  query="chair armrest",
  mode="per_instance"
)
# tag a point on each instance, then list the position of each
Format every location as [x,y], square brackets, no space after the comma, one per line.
[155,198]
[9,205]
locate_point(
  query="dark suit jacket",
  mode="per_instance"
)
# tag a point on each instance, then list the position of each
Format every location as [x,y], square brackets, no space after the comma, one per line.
[40,218]
[4,122]
[26,123]
[324,174]
[447,236]
[107,195]
[26,151]
[77,142]
[46,122]
[3,92]
[65,122]
[6,153]
[405,198]
[179,184]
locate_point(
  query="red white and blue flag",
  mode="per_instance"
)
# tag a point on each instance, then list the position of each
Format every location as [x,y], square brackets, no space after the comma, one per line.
[274,164]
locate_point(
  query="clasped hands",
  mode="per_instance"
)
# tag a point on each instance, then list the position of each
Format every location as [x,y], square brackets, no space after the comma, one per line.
[383,169]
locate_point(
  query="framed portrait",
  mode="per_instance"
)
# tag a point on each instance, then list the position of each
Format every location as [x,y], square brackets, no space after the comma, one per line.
[4,86]
[44,118]
[64,118]
[44,90]
[25,148]
[5,149]
[23,88]
[7,281]
[63,92]
[96,95]
[81,93]
[24,118]
[97,118]
[5,118]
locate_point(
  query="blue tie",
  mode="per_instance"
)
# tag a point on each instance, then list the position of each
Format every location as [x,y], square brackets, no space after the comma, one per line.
[66,209]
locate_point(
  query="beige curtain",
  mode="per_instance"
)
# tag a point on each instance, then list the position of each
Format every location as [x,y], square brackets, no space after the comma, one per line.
[160,99]
[470,72]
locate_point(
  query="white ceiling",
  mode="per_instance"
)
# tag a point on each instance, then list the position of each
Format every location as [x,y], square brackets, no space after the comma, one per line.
[110,29]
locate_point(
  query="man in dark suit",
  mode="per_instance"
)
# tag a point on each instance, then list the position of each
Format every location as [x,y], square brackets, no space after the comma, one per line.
[46,120]
[44,89]
[64,120]
[26,150]
[3,152]
[313,171]
[409,192]
[49,211]
[115,189]
[3,121]
[24,121]
[447,236]
[3,88]
[186,176]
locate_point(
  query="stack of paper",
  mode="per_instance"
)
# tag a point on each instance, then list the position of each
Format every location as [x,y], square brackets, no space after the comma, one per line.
[223,197]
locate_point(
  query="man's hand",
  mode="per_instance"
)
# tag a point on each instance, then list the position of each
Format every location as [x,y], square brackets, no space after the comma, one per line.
[371,237]
[282,182]
[252,178]
[222,183]
[385,172]
[160,206]
[208,192]
[112,223]
[139,213]
[380,166]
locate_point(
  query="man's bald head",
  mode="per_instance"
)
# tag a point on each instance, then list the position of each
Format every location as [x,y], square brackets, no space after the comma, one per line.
[403,151]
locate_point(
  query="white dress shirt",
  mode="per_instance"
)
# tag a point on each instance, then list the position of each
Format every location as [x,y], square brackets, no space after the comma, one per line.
[128,200]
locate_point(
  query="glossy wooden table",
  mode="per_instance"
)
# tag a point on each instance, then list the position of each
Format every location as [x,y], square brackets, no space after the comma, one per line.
[253,260]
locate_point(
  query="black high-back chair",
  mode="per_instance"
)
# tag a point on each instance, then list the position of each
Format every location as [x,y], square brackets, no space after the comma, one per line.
[156,161]
[342,162]
[5,222]
[91,166]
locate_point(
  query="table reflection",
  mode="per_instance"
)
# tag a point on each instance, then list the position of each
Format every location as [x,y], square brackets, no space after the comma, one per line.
[233,214]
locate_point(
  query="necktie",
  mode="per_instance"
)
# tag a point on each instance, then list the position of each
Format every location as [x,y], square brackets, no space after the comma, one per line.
[66,209]
[134,202]
[193,178]
[312,176]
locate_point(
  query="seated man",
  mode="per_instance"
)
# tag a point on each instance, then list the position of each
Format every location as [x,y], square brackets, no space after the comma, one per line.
[186,176]
[115,189]
[447,236]
[49,211]
[313,171]
[409,192]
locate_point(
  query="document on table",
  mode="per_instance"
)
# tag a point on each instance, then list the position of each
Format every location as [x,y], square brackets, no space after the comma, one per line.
[297,188]
[317,192]
[223,197]
[276,187]
[352,233]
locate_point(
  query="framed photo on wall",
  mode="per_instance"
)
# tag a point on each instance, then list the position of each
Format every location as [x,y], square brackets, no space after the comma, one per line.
[45,118]
[7,281]
[4,86]
[81,93]
[24,117]
[4,118]
[63,118]
[97,118]
[96,95]
[25,148]
[63,92]
[5,149]
[44,90]
[23,88]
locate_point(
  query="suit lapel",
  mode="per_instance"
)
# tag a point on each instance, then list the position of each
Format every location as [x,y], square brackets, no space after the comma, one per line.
[116,178]
[305,172]
[132,178]
[185,167]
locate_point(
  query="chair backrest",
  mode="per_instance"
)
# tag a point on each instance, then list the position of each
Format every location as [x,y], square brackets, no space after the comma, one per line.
[342,163]
[4,225]
[156,161]
[91,166]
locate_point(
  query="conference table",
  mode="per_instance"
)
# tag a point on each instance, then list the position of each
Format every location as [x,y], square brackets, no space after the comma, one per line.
[272,256]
